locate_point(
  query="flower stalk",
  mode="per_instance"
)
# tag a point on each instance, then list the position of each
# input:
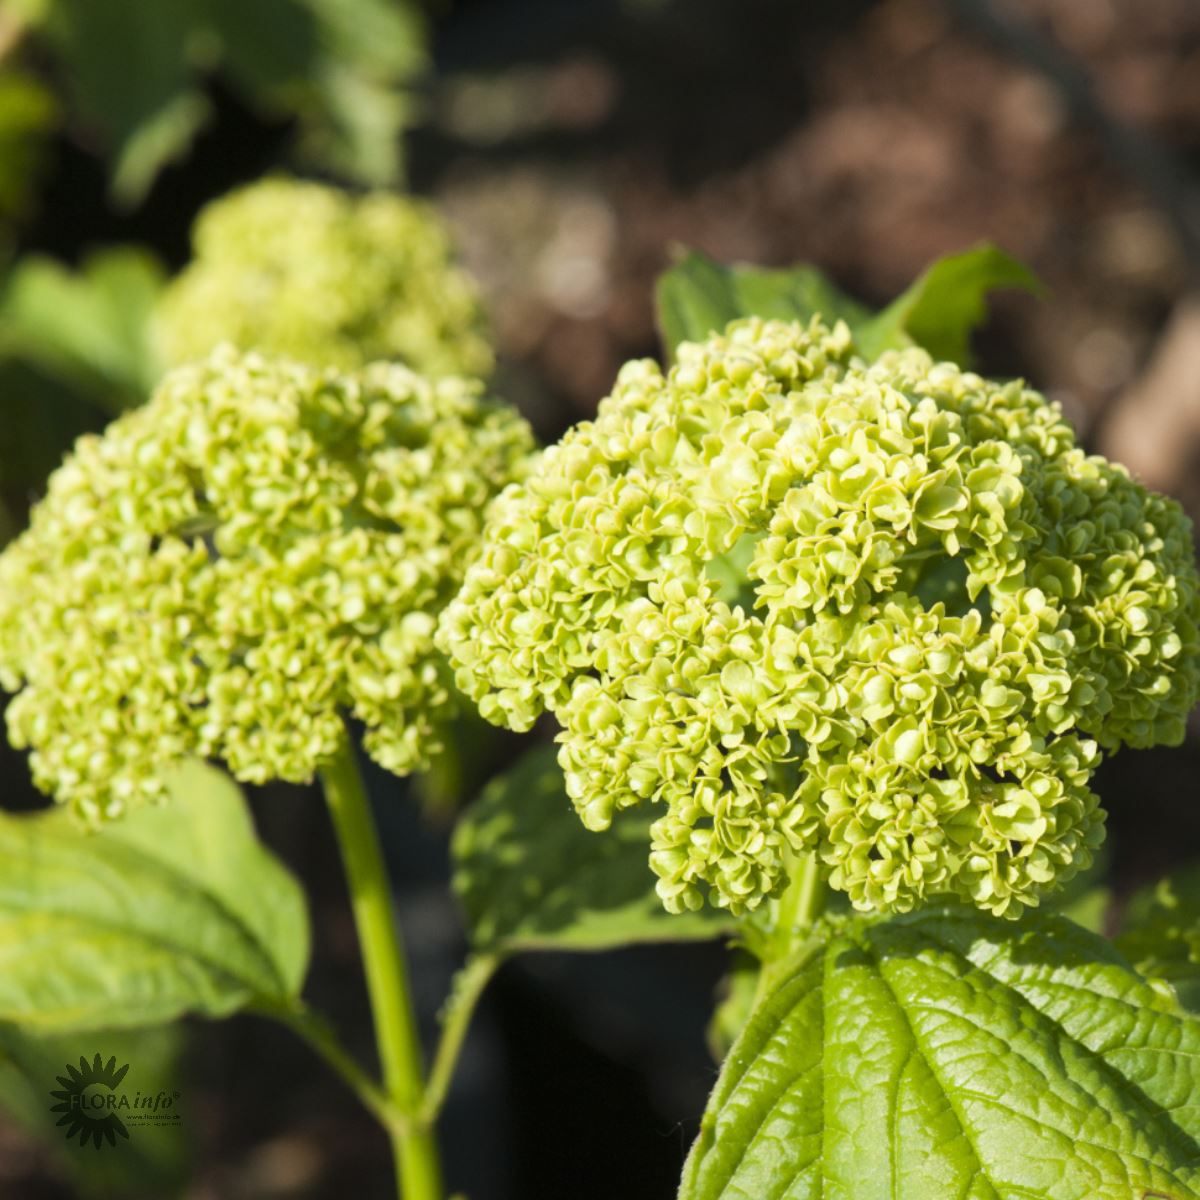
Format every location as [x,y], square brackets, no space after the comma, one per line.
[418,1171]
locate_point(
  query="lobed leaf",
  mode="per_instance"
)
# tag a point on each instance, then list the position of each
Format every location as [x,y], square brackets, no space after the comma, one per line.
[952,1056]
[698,297]
[89,329]
[177,908]
[945,304]
[529,876]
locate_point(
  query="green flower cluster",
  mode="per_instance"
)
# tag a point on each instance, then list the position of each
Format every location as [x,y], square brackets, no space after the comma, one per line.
[260,548]
[886,612]
[313,273]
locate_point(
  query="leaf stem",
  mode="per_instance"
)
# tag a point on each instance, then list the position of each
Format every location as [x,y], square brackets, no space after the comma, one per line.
[464,996]
[418,1172]
[312,1028]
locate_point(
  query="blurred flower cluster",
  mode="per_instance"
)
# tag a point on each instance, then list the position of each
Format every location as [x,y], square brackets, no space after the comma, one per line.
[312,272]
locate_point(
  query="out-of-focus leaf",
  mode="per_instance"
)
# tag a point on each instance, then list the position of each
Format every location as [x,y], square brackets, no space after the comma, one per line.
[373,51]
[90,327]
[27,115]
[154,1161]
[735,1001]
[41,417]
[27,12]
[267,47]
[1087,898]
[157,141]
[529,876]
[341,68]
[176,908]
[1161,933]
[697,297]
[951,1054]
[128,75]
[940,310]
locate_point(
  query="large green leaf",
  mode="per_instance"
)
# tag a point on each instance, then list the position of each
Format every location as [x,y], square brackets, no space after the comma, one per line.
[177,908]
[949,1056]
[940,310]
[698,297]
[529,876]
[1161,933]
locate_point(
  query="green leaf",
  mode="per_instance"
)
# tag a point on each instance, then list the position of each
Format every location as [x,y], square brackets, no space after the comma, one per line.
[736,994]
[41,416]
[155,1159]
[343,70]
[27,115]
[176,908]
[128,72]
[160,139]
[945,304]
[1161,933]
[697,297]
[948,1055]
[375,50]
[89,328]
[529,876]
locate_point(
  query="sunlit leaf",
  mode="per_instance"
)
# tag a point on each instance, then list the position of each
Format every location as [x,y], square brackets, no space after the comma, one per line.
[956,1055]
[176,908]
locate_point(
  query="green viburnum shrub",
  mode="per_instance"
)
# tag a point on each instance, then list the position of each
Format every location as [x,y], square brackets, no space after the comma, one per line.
[259,548]
[309,271]
[887,611]
[813,607]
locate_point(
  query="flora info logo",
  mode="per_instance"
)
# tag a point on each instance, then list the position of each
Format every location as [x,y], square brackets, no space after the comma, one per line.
[94,1108]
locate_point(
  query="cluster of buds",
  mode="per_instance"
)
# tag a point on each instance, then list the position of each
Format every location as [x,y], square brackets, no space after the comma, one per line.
[313,273]
[261,548]
[886,612]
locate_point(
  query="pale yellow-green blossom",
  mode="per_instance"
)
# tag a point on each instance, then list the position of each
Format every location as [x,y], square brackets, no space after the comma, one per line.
[321,275]
[886,612]
[260,549]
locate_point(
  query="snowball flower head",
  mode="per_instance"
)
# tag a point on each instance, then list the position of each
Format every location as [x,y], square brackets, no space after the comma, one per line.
[887,612]
[317,274]
[227,570]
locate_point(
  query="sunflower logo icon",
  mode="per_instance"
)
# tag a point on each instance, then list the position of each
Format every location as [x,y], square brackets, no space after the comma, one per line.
[88,1101]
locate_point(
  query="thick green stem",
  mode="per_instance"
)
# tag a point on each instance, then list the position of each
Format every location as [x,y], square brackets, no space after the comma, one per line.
[799,906]
[418,1173]
[796,910]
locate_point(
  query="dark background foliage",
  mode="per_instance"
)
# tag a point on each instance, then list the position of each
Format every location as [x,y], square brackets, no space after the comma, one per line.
[573,143]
